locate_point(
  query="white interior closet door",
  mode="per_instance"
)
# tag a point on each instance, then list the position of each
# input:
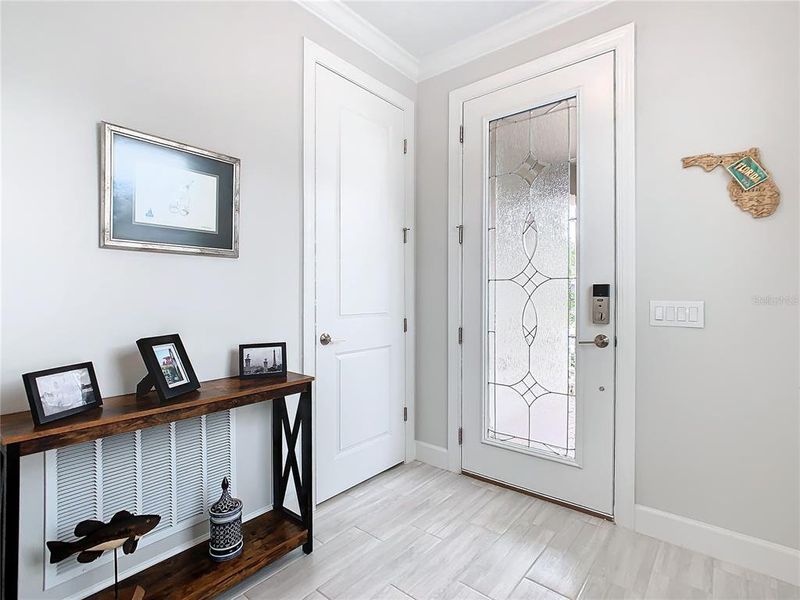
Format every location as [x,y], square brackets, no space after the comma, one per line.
[360,345]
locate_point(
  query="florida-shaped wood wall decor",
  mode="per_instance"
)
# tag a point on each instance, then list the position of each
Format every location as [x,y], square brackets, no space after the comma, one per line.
[751,186]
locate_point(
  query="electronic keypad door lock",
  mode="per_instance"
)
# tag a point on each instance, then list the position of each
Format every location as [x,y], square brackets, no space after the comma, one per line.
[601,306]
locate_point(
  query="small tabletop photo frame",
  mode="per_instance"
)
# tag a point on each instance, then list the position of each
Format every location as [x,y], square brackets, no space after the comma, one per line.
[262,360]
[62,392]
[168,367]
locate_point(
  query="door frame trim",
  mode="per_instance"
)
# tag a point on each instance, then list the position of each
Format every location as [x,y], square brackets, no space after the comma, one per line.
[314,55]
[621,41]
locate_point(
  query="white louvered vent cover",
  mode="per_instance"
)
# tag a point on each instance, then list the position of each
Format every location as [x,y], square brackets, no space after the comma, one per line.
[172,470]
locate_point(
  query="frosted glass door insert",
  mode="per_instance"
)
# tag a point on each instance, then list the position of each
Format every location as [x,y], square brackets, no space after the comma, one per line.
[531,271]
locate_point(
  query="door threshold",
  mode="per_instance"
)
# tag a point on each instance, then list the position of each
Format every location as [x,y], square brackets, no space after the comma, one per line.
[508,486]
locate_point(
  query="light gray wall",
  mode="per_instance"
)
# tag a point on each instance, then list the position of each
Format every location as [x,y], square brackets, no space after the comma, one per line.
[717,408]
[717,413]
[223,76]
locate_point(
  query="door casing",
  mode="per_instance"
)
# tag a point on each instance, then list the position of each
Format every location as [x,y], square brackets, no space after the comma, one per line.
[621,42]
[314,55]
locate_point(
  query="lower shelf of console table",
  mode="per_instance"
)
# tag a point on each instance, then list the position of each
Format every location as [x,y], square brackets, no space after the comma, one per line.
[192,575]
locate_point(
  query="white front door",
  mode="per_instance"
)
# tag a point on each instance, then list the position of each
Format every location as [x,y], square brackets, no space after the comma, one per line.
[360,346]
[538,215]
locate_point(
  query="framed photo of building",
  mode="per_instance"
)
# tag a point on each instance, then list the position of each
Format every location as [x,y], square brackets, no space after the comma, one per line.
[168,367]
[61,392]
[262,360]
[165,196]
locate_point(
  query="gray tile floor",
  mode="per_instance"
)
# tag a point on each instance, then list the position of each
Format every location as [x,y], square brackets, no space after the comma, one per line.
[418,533]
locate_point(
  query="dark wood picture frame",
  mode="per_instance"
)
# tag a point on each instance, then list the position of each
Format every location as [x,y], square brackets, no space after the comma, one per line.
[181,372]
[265,373]
[35,397]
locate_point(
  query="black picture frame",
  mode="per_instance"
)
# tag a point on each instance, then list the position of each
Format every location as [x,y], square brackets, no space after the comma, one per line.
[248,369]
[40,384]
[168,367]
[159,195]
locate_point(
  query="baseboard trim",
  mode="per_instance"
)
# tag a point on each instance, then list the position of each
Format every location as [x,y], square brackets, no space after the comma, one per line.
[432,455]
[775,560]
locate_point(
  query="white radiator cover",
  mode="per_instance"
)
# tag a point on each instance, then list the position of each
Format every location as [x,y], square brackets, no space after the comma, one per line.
[173,470]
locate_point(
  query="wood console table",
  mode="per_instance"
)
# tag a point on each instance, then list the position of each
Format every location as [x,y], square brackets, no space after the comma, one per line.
[189,575]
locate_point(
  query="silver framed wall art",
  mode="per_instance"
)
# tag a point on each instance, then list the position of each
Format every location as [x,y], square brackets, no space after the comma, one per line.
[160,195]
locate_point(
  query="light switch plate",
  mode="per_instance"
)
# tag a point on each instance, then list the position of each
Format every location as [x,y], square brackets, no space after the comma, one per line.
[677,313]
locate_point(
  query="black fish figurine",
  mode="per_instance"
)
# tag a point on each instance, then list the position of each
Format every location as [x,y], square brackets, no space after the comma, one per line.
[124,529]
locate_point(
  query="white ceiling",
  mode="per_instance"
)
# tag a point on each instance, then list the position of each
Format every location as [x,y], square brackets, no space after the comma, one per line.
[422,27]
[422,38]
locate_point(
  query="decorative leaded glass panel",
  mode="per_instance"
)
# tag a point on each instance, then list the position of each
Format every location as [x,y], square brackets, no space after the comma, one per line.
[530,400]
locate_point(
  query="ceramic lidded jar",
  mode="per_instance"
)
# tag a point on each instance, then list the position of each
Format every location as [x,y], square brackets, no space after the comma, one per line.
[225,515]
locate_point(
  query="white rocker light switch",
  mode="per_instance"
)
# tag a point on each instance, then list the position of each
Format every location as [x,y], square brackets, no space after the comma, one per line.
[677,313]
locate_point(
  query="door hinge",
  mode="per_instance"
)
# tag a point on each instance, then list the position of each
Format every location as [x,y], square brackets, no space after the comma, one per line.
[405,413]
[460,134]
[460,436]
[460,335]
[405,234]
[460,234]
[405,325]
[405,146]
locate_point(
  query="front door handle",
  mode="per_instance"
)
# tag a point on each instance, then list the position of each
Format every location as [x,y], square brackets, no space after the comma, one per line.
[601,341]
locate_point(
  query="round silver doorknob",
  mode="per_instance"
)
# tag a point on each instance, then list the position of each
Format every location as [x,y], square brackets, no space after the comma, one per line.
[325,339]
[601,341]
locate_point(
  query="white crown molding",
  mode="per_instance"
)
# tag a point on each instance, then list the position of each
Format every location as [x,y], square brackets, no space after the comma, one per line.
[349,23]
[352,25]
[511,31]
